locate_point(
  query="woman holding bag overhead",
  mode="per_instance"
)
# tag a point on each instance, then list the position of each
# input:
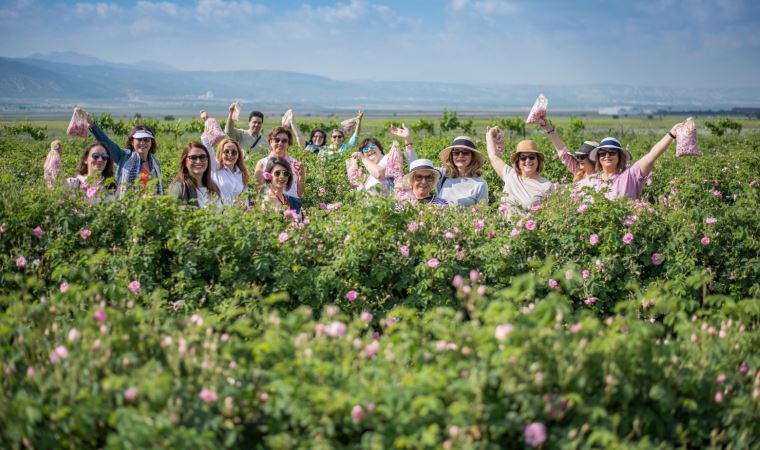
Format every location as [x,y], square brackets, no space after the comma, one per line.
[137,161]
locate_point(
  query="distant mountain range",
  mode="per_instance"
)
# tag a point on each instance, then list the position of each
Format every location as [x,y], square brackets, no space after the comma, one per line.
[56,81]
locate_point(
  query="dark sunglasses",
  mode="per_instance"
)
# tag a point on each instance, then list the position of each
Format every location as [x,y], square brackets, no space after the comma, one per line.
[369,147]
[202,157]
[428,178]
[230,151]
[528,157]
[460,152]
[281,173]
[603,153]
[337,136]
[581,157]
[103,156]
[142,139]
[280,140]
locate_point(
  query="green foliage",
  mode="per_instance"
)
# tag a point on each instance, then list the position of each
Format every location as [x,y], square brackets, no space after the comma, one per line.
[423,125]
[449,121]
[327,126]
[719,127]
[576,125]
[36,132]
[515,125]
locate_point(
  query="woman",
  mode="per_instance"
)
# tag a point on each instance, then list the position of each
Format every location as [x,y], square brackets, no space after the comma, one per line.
[135,162]
[578,163]
[194,184]
[95,166]
[373,158]
[614,176]
[461,183]
[338,137]
[316,139]
[421,180]
[228,169]
[279,142]
[278,177]
[524,187]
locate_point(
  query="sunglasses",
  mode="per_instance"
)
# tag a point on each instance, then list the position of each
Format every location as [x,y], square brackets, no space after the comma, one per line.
[604,153]
[460,152]
[528,157]
[230,151]
[581,157]
[280,140]
[142,139]
[428,178]
[337,136]
[96,156]
[196,158]
[281,173]
[368,148]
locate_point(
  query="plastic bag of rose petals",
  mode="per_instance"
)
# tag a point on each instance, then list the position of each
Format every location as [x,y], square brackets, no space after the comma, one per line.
[348,124]
[394,167]
[354,173]
[78,125]
[498,141]
[538,110]
[686,139]
[213,131]
[52,163]
[287,118]
[235,111]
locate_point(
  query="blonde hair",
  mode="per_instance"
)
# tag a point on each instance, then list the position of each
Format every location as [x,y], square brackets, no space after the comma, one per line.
[240,164]
[472,170]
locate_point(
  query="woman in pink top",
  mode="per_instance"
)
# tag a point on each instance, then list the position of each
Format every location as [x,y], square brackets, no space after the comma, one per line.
[614,176]
[578,163]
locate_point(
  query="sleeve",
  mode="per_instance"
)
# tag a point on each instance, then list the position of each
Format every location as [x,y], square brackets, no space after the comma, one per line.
[410,155]
[116,152]
[236,134]
[507,170]
[634,173]
[175,190]
[483,192]
[351,142]
[568,160]
[213,163]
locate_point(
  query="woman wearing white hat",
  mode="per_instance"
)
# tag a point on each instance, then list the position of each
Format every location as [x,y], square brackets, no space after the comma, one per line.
[613,173]
[523,185]
[461,183]
[421,180]
[578,163]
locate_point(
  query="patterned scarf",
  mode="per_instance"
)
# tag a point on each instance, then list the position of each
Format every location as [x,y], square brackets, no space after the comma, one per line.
[132,170]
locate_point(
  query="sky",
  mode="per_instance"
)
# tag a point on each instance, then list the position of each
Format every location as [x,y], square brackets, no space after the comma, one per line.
[670,43]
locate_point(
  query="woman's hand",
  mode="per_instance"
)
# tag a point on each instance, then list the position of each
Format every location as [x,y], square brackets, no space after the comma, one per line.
[402,131]
[357,156]
[359,115]
[676,127]
[232,107]
[545,124]
[204,115]
[492,132]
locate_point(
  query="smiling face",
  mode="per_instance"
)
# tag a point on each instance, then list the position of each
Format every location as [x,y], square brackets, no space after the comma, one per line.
[585,164]
[196,163]
[372,151]
[528,164]
[422,183]
[254,125]
[142,146]
[336,138]
[279,144]
[230,155]
[461,159]
[609,159]
[280,177]
[96,160]
[318,138]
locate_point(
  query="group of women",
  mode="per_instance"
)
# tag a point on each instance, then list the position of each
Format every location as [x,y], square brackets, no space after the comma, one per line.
[207,177]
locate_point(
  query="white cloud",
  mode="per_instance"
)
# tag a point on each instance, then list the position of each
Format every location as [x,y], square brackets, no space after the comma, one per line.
[223,8]
[169,8]
[101,10]
[337,13]
[458,5]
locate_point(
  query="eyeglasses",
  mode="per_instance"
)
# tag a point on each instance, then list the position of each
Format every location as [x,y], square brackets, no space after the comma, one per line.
[369,147]
[142,139]
[195,158]
[96,156]
[280,140]
[528,157]
[428,178]
[581,157]
[604,153]
[281,173]
[230,151]
[460,152]
[337,136]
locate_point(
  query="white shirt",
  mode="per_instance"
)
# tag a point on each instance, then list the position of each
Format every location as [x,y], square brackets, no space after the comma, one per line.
[463,191]
[522,191]
[202,193]
[230,182]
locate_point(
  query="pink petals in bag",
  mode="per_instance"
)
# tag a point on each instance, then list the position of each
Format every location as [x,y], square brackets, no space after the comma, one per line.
[213,131]
[354,173]
[235,111]
[78,125]
[539,109]
[686,139]
[394,167]
[287,118]
[52,163]
[349,124]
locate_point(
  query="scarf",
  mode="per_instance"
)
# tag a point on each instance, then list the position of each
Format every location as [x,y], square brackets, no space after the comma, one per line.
[131,171]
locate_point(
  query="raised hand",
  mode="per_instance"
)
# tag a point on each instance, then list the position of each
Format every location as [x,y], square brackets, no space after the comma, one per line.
[357,155]
[204,115]
[402,132]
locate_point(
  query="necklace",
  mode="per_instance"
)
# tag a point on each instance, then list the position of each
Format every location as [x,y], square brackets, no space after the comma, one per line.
[279,197]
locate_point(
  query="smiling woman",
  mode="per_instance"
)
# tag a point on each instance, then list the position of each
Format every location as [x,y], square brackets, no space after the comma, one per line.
[193,184]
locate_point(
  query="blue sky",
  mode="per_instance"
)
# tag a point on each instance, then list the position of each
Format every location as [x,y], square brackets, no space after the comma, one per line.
[690,43]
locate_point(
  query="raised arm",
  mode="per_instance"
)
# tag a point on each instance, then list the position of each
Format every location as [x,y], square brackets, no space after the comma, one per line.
[647,161]
[301,181]
[406,134]
[354,137]
[116,152]
[497,163]
[213,163]
[562,151]
[230,125]
[375,170]
[300,140]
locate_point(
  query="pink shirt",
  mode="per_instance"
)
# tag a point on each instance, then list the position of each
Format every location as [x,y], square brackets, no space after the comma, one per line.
[629,183]
[568,160]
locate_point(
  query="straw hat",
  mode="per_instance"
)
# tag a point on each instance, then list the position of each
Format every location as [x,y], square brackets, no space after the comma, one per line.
[586,148]
[421,165]
[463,143]
[526,146]
[610,142]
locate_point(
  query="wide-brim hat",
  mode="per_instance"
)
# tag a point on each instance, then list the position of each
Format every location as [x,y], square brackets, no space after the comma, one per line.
[610,142]
[526,146]
[418,165]
[464,143]
[586,148]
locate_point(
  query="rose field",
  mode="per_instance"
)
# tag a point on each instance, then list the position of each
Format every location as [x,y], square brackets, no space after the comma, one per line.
[139,323]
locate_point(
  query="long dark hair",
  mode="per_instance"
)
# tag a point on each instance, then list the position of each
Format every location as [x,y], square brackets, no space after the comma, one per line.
[184,177]
[82,166]
[143,128]
[271,162]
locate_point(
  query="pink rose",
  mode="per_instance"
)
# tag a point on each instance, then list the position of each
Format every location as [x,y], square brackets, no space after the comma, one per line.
[530,225]
[267,176]
[58,354]
[705,241]
[585,274]
[535,434]
[711,220]
[208,396]
[502,331]
[657,259]
[457,281]
[553,283]
[20,262]
[433,263]
[479,224]
[413,226]
[582,208]
[515,232]
[130,394]
[335,329]
[366,316]
[627,238]
[38,232]
[371,350]
[85,233]
[134,286]
[590,300]
[351,295]
[100,316]
[404,250]
[576,327]
[64,287]
[357,414]
[593,239]
[283,237]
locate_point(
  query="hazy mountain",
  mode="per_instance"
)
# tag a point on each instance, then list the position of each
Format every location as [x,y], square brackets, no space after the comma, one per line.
[60,79]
